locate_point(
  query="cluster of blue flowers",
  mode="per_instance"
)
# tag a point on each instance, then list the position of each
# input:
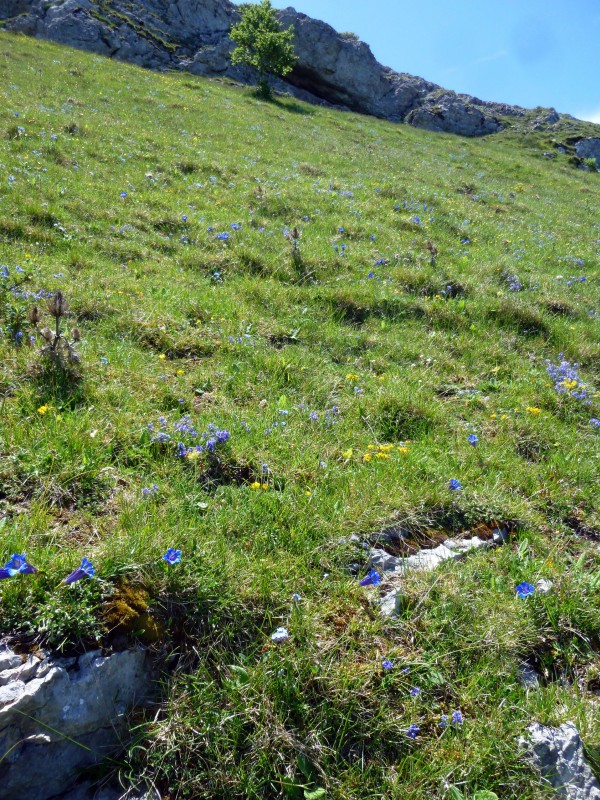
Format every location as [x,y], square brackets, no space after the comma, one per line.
[514,284]
[211,438]
[18,564]
[566,379]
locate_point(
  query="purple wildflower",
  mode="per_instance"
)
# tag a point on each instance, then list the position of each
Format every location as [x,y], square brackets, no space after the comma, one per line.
[85,569]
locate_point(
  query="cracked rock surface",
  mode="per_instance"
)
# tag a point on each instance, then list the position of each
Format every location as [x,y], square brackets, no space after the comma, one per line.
[60,715]
[558,754]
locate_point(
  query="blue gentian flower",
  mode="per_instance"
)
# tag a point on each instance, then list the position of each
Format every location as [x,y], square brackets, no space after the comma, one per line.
[454,485]
[184,217]
[123,195]
[296,597]
[372,579]
[17,563]
[313,416]
[223,237]
[236,226]
[85,569]
[172,556]
[473,439]
[524,589]
[444,721]
[413,731]
[595,423]
[457,718]
[415,691]
[387,664]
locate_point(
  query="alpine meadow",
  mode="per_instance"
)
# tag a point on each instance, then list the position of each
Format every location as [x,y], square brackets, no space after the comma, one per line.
[251,349]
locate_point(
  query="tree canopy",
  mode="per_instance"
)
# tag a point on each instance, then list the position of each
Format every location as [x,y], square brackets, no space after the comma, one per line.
[262,43]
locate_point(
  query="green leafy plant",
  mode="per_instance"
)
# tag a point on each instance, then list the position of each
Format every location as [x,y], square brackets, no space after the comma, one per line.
[262,44]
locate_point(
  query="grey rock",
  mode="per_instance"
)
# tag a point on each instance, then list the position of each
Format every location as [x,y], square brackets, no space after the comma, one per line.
[58,716]
[383,561]
[543,586]
[12,8]
[558,754]
[447,112]
[589,148]
[391,604]
[528,677]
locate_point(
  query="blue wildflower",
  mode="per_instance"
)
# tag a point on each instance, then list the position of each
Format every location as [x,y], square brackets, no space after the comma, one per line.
[17,564]
[595,423]
[222,436]
[524,590]
[454,485]
[172,556]
[372,579]
[296,597]
[371,275]
[457,718]
[413,731]
[85,569]
[280,635]
[444,721]
[415,691]
[313,416]
[473,439]
[184,217]
[223,237]
[387,665]
[236,226]
[123,195]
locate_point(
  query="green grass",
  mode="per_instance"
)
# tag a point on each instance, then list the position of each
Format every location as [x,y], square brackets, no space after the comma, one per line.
[416,357]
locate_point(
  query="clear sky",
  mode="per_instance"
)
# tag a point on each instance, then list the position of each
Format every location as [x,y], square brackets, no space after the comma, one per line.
[526,52]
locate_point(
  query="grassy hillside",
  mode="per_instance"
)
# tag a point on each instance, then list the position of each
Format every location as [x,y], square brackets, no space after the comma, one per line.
[349,300]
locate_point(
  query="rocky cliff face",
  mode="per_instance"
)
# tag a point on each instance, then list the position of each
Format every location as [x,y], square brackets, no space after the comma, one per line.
[193,35]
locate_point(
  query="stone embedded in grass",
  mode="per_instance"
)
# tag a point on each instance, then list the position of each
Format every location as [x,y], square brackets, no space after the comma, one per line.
[559,755]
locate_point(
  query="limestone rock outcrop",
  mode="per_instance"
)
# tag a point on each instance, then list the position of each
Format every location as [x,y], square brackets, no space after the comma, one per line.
[60,715]
[193,35]
[558,754]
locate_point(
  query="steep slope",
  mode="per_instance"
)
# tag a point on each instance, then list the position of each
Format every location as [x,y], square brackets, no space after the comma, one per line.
[193,35]
[300,331]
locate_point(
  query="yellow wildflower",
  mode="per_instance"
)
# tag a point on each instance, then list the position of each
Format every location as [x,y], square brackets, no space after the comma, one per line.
[367,457]
[403,450]
[265,486]
[43,409]
[255,485]
[382,455]
[193,455]
[181,372]
[371,447]
[347,453]
[534,410]
[162,356]
[385,447]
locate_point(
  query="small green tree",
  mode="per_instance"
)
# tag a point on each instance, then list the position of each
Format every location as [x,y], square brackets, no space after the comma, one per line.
[262,44]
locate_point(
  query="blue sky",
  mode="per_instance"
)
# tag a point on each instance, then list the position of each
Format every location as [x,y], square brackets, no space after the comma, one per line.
[528,52]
